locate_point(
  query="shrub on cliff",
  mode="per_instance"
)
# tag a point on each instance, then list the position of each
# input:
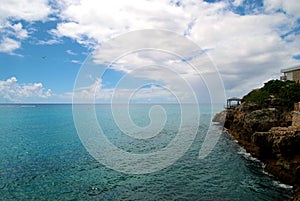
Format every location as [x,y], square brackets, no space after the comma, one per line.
[287,92]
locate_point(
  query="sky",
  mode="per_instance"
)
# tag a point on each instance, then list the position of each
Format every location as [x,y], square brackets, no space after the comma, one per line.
[44,45]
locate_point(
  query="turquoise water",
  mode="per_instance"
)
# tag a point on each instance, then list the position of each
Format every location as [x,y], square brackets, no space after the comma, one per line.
[42,158]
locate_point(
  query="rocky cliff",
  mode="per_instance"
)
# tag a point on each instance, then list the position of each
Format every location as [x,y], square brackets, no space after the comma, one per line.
[271,133]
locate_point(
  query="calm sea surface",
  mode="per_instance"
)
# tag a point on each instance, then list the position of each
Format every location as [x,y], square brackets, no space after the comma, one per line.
[42,158]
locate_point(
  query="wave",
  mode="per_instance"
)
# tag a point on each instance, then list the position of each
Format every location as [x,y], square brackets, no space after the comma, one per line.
[282,185]
[247,155]
[267,173]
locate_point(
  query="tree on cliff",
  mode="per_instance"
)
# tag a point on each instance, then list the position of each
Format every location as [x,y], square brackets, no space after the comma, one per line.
[288,92]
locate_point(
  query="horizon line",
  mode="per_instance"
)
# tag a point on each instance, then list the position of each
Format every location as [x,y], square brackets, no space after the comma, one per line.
[146,103]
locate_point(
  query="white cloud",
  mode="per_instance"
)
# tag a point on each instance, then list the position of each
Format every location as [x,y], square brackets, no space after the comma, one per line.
[48,42]
[101,21]
[141,69]
[70,52]
[247,49]
[291,7]
[238,2]
[17,30]
[10,37]
[11,90]
[8,45]
[14,10]
[76,61]
[24,9]
[143,94]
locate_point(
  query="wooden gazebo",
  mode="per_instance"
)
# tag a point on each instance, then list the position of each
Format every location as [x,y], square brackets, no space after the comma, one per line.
[233,102]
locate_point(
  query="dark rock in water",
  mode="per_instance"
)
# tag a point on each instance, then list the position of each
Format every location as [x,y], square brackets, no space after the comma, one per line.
[272,134]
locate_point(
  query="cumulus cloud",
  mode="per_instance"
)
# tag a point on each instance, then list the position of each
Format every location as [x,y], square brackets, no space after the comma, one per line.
[16,30]
[248,49]
[145,70]
[8,45]
[86,18]
[15,10]
[24,9]
[96,91]
[291,7]
[11,34]
[11,90]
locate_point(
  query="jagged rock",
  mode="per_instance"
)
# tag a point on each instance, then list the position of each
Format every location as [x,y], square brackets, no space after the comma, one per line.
[260,120]
[220,117]
[264,141]
[296,119]
[229,118]
[272,134]
[289,144]
[249,107]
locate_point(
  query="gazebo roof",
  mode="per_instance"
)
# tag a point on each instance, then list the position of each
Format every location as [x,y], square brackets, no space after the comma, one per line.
[234,99]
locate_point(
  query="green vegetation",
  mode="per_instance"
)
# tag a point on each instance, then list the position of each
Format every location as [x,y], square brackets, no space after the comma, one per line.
[285,92]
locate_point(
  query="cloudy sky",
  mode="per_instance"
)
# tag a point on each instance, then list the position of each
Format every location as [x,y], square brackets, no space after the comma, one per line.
[43,45]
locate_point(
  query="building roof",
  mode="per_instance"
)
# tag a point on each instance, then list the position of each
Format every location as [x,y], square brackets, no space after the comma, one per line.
[290,69]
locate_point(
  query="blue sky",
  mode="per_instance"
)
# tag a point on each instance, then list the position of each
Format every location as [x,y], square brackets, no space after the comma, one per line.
[43,44]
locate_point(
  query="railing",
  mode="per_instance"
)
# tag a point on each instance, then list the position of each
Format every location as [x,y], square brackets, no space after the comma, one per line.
[283,77]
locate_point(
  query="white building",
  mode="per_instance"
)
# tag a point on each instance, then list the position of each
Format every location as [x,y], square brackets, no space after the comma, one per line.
[292,73]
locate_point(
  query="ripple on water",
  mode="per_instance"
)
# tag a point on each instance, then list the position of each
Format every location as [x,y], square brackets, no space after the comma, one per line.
[41,157]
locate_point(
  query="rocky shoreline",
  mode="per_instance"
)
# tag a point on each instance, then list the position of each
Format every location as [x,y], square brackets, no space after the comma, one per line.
[271,134]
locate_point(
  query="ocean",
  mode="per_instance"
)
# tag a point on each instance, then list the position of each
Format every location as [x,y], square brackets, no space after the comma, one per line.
[43,158]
